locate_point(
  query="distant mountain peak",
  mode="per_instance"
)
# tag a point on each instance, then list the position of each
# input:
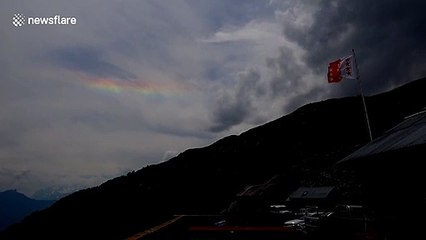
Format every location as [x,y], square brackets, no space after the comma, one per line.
[14,206]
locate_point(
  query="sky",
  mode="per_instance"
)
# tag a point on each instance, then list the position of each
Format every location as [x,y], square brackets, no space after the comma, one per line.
[134,83]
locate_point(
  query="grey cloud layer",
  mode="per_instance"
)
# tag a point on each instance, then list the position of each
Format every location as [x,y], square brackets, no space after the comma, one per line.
[236,64]
[57,129]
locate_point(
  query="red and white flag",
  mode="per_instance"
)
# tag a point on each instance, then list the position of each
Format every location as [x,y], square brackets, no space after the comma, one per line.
[341,68]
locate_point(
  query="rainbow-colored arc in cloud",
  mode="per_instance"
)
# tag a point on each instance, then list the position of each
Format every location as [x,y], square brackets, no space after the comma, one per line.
[118,86]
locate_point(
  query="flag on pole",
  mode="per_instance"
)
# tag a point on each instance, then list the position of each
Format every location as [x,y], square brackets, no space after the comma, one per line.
[347,67]
[341,68]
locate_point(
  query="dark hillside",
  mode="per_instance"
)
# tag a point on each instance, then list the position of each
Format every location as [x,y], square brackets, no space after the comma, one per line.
[205,180]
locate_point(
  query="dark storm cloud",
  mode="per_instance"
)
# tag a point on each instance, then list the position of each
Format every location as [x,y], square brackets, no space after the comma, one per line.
[88,60]
[229,112]
[388,36]
[234,106]
[285,67]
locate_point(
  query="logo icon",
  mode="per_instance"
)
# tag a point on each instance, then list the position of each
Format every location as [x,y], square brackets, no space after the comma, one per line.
[18,20]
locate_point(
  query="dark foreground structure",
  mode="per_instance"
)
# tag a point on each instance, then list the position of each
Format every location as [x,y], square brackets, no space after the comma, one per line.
[392,173]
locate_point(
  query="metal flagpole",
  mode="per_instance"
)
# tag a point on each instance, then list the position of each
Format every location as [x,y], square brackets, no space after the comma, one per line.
[362,97]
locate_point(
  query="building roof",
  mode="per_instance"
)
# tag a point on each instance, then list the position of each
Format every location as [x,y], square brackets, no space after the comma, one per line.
[409,133]
[311,192]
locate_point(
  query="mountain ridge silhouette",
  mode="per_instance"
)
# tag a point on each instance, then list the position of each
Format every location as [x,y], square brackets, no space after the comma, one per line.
[298,146]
